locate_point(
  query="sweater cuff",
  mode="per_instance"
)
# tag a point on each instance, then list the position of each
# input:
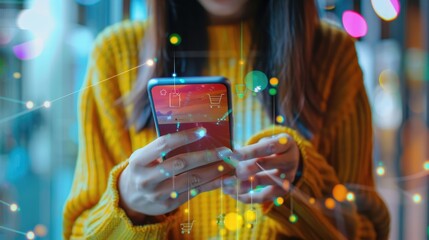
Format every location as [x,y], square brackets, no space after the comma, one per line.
[113,220]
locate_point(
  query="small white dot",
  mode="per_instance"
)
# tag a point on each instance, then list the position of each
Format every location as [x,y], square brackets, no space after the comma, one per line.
[174,75]
[29,105]
[47,104]
[30,235]
[13,207]
[149,62]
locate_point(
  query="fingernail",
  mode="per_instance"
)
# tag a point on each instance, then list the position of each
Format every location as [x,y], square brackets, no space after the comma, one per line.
[200,132]
[223,152]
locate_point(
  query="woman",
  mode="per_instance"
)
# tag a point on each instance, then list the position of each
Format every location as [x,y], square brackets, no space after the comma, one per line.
[321,135]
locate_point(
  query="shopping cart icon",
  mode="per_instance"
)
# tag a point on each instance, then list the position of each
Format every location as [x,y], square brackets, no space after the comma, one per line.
[215,100]
[186,227]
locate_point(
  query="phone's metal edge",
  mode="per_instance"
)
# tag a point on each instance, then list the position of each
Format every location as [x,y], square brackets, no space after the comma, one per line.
[192,80]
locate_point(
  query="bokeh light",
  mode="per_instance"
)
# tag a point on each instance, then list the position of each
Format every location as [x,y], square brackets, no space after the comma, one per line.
[272,91]
[387,10]
[380,171]
[312,200]
[293,218]
[278,201]
[40,230]
[220,168]
[186,211]
[250,215]
[274,81]
[354,24]
[13,207]
[417,198]
[175,39]
[350,197]
[16,75]
[30,235]
[426,165]
[28,50]
[150,62]
[46,104]
[233,221]
[283,140]
[29,104]
[330,203]
[286,185]
[249,226]
[280,119]
[173,194]
[339,192]
[194,192]
[256,81]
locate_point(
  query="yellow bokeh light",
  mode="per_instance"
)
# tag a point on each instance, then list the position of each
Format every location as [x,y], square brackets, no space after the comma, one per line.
[339,192]
[233,221]
[387,10]
[241,62]
[174,40]
[350,197]
[312,200]
[250,215]
[220,168]
[280,201]
[173,194]
[274,81]
[283,140]
[330,203]
[186,210]
[280,119]
[249,226]
[16,75]
[417,198]
[381,171]
[293,218]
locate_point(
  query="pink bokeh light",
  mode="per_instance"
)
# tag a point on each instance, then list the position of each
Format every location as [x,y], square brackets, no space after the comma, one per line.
[354,24]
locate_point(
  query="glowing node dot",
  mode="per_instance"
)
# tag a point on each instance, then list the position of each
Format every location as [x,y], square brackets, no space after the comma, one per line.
[286,185]
[194,192]
[186,210]
[381,171]
[16,75]
[272,91]
[339,192]
[149,62]
[283,140]
[249,226]
[274,81]
[46,104]
[13,207]
[175,39]
[280,119]
[250,215]
[30,235]
[279,201]
[241,62]
[233,221]
[174,75]
[220,168]
[293,218]
[426,166]
[417,198]
[40,230]
[173,194]
[350,197]
[29,105]
[283,176]
[312,200]
[330,203]
[201,132]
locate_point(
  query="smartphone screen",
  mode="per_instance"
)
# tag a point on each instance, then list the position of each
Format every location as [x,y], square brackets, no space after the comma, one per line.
[181,107]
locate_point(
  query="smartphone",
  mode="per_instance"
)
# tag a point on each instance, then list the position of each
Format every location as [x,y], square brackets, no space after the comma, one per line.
[184,103]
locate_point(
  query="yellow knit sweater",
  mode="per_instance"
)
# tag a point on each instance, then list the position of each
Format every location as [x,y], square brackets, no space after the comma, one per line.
[339,152]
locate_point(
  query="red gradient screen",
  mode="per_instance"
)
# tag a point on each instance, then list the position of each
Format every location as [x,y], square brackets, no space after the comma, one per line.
[187,106]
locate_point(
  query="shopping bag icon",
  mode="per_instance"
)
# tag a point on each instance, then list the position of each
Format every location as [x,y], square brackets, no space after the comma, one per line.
[174,99]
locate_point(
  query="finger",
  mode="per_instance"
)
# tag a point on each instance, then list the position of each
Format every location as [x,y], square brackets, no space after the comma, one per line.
[187,161]
[284,162]
[272,177]
[164,144]
[265,194]
[192,179]
[277,144]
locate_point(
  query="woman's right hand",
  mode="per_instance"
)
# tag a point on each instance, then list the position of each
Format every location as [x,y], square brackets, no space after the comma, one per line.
[146,184]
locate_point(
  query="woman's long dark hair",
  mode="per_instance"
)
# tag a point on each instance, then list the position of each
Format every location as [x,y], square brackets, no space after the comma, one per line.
[282,35]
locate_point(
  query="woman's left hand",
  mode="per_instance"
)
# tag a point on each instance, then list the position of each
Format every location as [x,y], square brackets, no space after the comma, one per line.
[272,162]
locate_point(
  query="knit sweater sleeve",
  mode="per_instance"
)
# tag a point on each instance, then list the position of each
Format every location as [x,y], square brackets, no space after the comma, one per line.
[346,144]
[92,210]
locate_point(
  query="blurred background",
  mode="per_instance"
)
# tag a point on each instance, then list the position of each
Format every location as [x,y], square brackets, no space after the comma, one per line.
[44,48]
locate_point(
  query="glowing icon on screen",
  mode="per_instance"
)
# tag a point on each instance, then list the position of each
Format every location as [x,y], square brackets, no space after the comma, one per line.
[174,100]
[163,92]
[186,227]
[215,100]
